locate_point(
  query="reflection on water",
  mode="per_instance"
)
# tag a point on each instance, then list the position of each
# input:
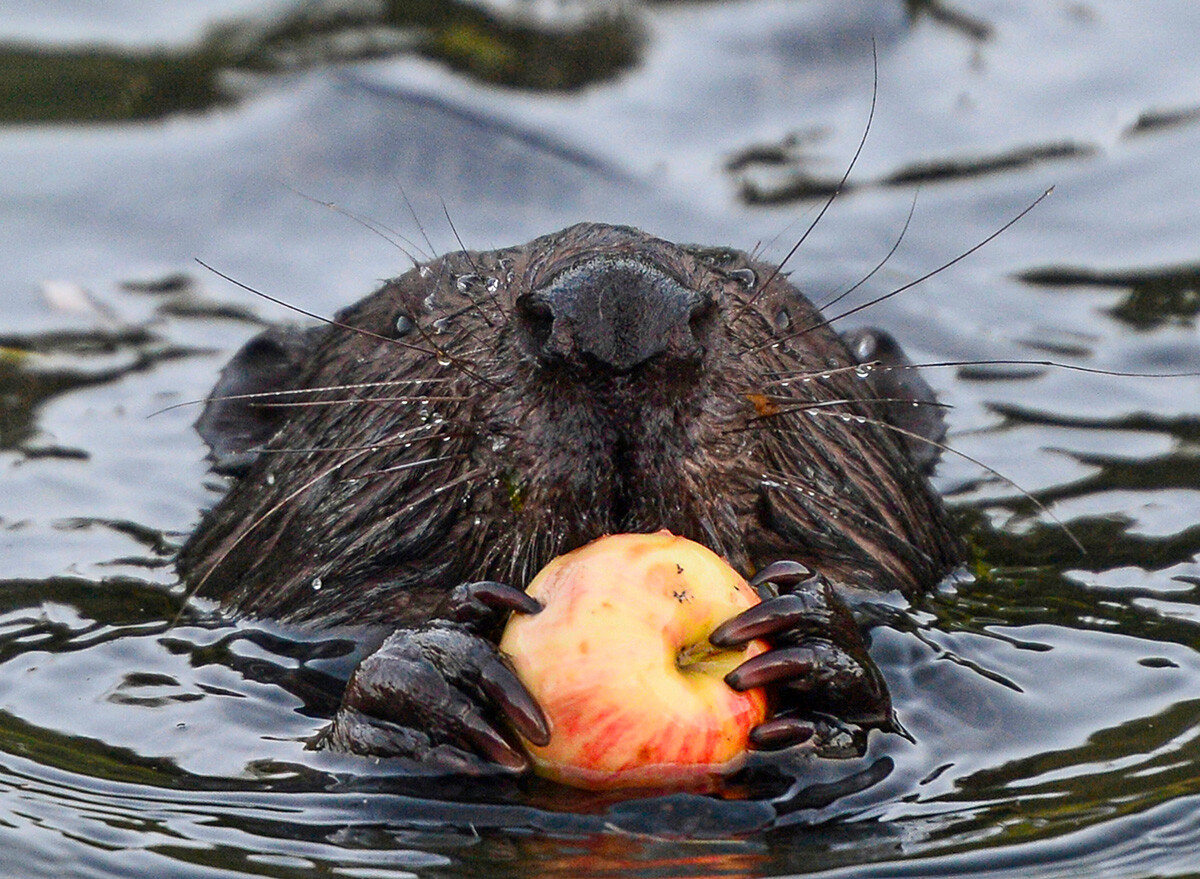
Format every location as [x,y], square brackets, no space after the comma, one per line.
[1052,699]
[511,47]
[1152,296]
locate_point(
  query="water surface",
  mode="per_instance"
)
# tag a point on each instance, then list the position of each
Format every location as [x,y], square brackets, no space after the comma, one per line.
[1054,701]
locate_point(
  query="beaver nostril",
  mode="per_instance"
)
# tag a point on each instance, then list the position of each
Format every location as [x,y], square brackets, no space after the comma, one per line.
[536,318]
[703,316]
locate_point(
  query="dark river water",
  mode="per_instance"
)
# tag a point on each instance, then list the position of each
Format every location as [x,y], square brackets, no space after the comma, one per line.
[1053,699]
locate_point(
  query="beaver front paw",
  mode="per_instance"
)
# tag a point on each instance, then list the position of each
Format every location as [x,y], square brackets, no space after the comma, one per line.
[824,687]
[441,693]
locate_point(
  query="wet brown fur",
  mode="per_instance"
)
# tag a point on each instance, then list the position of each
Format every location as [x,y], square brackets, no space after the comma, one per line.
[480,463]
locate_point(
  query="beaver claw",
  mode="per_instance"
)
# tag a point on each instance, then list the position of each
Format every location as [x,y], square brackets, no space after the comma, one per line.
[484,606]
[818,670]
[441,693]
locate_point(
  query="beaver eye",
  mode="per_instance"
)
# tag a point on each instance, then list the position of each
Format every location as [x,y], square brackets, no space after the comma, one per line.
[782,320]
[404,325]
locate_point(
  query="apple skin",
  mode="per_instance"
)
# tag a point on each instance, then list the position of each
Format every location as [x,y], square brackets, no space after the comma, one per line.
[619,660]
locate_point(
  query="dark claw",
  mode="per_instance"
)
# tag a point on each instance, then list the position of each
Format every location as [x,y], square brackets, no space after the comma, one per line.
[822,683]
[781,732]
[485,604]
[502,685]
[788,663]
[502,597]
[491,744]
[781,573]
[773,617]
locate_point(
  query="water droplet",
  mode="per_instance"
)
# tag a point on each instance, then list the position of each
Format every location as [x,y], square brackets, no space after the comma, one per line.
[441,325]
[499,442]
[317,584]
[785,384]
[443,358]
[464,283]
[492,285]
[774,346]
[425,271]
[746,277]
[862,370]
[404,325]
[270,478]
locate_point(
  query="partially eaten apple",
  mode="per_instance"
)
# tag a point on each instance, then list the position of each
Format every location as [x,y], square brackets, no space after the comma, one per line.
[620,661]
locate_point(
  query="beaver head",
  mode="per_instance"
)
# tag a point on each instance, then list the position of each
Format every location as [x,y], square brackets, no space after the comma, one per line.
[487,411]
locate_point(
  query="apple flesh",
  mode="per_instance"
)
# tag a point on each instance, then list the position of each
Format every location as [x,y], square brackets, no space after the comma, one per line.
[619,660]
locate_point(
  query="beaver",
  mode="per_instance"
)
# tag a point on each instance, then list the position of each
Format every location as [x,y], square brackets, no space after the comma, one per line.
[411,464]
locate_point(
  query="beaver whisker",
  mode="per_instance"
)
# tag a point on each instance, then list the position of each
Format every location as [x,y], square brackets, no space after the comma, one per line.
[821,306]
[355,401]
[805,376]
[922,279]
[925,277]
[442,354]
[376,227]
[943,447]
[407,465]
[837,190]
[766,410]
[477,309]
[223,398]
[1054,364]
[223,552]
[400,440]
[463,353]
[390,340]
[822,404]
[744,338]
[454,231]
[412,212]
[474,268]
[444,271]
[836,507]
[319,317]
[440,489]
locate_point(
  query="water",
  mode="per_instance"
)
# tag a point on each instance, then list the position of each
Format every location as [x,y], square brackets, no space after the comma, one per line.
[1055,701]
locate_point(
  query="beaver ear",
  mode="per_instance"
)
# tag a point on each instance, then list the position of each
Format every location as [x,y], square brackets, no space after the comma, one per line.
[908,395]
[235,421]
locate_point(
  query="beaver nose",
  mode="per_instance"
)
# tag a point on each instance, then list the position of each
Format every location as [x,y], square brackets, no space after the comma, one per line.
[616,312]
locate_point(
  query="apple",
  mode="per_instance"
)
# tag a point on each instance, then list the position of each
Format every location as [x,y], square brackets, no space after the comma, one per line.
[619,660]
